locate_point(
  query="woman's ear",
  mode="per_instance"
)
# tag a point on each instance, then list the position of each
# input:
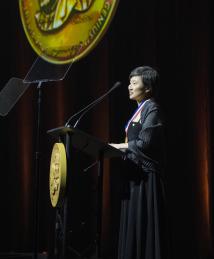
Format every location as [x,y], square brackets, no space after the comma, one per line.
[148,90]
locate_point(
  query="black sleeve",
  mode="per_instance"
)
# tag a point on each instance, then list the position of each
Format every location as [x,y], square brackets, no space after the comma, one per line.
[147,143]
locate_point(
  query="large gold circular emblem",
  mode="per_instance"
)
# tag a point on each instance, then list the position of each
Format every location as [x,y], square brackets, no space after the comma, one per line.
[63,31]
[58,173]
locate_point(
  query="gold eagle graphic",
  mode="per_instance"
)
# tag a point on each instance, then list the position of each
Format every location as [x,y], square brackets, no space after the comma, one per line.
[54,13]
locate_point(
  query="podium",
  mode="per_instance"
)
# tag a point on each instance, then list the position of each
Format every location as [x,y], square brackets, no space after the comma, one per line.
[87,144]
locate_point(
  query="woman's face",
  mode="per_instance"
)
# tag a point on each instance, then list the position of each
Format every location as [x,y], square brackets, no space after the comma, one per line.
[137,90]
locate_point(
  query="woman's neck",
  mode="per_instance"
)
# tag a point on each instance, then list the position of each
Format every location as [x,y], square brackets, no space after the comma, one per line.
[143,100]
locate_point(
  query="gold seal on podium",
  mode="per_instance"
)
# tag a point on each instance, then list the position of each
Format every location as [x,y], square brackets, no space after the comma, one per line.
[58,173]
[62,31]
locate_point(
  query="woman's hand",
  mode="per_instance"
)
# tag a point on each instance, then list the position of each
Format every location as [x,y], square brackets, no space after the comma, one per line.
[120,146]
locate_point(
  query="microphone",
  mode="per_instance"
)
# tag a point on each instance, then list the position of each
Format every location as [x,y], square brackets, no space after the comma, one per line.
[91,105]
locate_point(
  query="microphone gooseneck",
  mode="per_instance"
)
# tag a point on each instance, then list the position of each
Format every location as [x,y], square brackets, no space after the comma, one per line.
[83,111]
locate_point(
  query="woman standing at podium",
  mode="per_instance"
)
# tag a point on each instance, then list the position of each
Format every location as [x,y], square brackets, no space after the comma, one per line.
[142,232]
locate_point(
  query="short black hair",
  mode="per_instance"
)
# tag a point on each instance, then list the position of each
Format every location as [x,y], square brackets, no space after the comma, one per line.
[150,78]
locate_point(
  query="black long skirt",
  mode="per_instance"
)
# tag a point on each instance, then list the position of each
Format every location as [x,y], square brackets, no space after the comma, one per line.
[143,222]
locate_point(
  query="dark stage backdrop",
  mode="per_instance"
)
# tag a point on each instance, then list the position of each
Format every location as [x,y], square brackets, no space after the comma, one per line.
[175,36]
